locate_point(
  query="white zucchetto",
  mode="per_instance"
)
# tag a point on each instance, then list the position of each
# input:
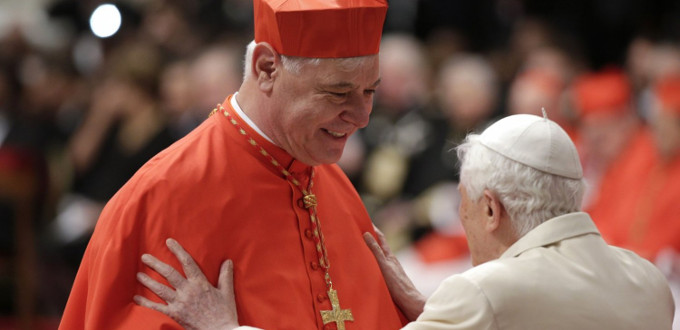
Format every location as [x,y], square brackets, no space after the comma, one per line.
[536,142]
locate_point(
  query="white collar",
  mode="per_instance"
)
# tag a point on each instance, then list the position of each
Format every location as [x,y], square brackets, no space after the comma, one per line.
[551,231]
[247,119]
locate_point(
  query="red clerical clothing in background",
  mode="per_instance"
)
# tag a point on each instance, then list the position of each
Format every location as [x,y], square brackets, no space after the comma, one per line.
[221,199]
[638,205]
[655,221]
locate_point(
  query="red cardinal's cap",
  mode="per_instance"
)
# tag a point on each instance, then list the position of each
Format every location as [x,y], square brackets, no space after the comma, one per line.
[320,28]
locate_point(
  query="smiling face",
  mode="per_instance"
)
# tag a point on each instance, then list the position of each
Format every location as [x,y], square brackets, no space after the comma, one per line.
[321,106]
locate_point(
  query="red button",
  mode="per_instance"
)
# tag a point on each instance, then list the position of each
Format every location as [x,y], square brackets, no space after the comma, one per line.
[301,203]
[308,233]
[315,265]
[321,297]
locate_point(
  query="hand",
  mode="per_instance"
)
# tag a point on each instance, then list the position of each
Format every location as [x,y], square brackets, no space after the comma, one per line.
[404,293]
[194,303]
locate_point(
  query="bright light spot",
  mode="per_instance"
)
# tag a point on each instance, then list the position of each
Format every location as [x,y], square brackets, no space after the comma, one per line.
[105,21]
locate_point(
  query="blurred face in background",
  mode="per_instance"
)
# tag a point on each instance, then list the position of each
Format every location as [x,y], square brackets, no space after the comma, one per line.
[666,128]
[403,74]
[605,135]
[467,91]
[602,101]
[175,88]
[214,74]
[532,91]
[666,116]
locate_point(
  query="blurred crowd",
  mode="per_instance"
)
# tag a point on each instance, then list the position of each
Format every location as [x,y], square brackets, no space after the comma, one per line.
[79,115]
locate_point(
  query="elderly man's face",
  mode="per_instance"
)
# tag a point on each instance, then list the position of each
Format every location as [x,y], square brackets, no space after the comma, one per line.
[320,107]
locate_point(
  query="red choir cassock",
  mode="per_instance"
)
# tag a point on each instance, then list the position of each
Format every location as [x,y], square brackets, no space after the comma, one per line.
[638,207]
[626,176]
[221,199]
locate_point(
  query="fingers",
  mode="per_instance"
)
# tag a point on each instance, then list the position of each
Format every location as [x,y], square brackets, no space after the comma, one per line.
[374,247]
[225,283]
[382,241]
[159,289]
[191,269]
[150,304]
[141,301]
[171,275]
[377,230]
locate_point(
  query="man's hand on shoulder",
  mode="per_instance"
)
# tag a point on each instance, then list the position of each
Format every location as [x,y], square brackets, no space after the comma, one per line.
[404,293]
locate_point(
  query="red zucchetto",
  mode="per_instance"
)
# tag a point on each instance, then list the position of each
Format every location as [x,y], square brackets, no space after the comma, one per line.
[606,92]
[320,28]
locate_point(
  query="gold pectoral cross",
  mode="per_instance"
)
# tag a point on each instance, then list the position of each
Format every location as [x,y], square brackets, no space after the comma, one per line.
[337,315]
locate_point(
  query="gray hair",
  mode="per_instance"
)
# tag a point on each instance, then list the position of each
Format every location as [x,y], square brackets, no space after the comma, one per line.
[529,196]
[296,64]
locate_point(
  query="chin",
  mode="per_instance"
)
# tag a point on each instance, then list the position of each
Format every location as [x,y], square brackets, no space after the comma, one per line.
[327,159]
[320,154]
[332,160]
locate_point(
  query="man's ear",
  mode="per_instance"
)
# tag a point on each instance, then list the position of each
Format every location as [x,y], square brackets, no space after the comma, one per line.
[493,210]
[265,66]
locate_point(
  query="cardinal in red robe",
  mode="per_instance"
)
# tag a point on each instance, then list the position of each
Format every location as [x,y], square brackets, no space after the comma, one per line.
[226,191]
[638,206]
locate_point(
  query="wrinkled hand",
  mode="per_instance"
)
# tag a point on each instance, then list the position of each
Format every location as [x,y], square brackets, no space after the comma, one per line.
[194,303]
[404,293]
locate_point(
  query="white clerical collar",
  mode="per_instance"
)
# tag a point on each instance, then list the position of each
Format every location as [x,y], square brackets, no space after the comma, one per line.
[245,118]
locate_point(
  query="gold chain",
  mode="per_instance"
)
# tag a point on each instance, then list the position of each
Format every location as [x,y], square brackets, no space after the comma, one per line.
[309,198]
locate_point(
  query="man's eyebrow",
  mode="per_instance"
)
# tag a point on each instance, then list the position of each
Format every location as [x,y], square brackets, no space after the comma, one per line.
[340,85]
[349,85]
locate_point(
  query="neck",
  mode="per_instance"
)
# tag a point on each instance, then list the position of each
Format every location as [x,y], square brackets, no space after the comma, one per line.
[255,107]
[505,235]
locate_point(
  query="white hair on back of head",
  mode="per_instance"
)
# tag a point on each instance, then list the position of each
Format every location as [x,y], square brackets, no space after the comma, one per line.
[248,59]
[296,64]
[529,196]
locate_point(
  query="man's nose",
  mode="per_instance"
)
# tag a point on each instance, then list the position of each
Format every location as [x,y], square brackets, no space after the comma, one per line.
[358,111]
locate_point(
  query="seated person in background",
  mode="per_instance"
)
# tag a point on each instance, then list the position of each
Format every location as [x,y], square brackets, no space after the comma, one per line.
[539,262]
